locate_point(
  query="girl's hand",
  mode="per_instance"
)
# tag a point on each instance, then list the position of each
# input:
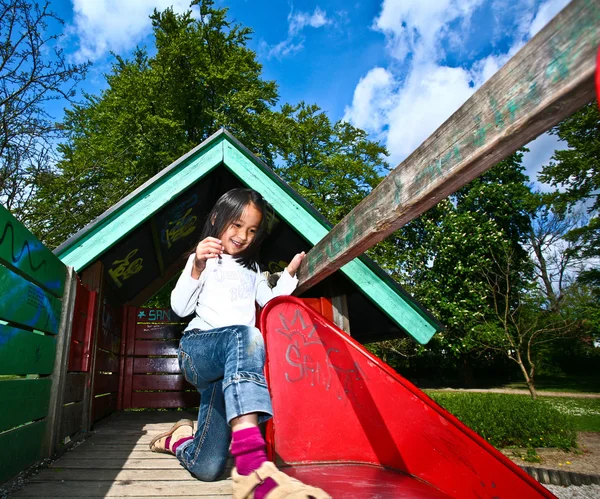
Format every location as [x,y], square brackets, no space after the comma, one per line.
[295,263]
[210,247]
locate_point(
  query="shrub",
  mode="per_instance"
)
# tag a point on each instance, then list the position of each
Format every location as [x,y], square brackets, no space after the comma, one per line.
[510,420]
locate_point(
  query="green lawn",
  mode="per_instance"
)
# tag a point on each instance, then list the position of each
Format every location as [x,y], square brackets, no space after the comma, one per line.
[585,413]
[513,420]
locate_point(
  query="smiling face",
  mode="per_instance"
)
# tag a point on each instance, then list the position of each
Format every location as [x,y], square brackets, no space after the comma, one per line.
[240,233]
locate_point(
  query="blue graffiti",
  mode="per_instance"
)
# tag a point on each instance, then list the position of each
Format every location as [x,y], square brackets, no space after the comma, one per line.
[16,258]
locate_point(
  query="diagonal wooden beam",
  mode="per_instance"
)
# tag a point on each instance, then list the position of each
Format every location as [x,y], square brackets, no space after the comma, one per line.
[545,82]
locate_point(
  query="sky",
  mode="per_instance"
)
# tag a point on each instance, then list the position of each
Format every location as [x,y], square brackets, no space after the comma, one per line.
[395,68]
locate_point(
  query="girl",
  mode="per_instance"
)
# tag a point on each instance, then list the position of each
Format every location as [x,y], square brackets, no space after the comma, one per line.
[222,354]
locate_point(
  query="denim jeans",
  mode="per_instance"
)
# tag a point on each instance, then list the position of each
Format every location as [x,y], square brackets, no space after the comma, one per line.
[226,365]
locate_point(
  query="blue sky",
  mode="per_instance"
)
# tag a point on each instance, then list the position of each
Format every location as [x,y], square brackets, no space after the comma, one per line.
[396,68]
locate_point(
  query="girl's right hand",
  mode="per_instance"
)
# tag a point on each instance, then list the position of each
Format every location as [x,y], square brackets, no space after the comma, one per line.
[210,247]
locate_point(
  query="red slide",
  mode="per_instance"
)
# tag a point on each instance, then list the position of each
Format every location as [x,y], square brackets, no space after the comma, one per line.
[347,422]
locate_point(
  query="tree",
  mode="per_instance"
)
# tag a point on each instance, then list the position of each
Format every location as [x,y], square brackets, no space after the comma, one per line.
[33,72]
[519,322]
[576,171]
[552,253]
[442,256]
[154,110]
[333,166]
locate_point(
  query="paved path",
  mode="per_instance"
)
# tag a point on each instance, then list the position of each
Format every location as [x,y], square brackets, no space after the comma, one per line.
[517,392]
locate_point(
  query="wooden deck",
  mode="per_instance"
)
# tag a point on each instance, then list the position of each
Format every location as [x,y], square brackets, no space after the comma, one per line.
[116,462]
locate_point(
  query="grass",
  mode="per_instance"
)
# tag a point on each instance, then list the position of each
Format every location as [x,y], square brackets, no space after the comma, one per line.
[584,413]
[509,421]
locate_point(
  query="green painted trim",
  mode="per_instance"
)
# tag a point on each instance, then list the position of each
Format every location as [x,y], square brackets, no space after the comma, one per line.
[26,304]
[22,252]
[25,352]
[21,448]
[23,400]
[140,206]
[415,322]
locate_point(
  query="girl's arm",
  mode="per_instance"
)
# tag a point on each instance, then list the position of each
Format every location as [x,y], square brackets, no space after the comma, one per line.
[285,285]
[185,295]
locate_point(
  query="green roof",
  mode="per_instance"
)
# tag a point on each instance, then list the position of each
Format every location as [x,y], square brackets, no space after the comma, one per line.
[223,150]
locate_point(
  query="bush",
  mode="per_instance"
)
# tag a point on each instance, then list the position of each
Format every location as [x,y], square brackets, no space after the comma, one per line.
[510,420]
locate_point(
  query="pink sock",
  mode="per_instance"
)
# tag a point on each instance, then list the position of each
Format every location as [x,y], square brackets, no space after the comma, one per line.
[179,442]
[250,451]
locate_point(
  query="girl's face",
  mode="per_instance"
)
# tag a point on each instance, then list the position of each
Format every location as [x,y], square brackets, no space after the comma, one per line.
[238,236]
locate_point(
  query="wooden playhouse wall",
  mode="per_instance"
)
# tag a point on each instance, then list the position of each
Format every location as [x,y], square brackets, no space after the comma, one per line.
[34,292]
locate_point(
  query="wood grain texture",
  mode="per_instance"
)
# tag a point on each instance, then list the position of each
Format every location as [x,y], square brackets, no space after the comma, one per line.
[23,253]
[152,400]
[74,387]
[27,304]
[156,365]
[21,448]
[106,466]
[160,382]
[23,400]
[25,352]
[71,421]
[545,82]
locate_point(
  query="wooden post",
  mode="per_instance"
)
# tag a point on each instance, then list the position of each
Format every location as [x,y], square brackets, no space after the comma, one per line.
[61,361]
[339,304]
[93,279]
[545,82]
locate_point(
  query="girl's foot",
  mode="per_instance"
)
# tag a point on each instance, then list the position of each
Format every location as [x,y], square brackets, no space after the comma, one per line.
[246,486]
[168,441]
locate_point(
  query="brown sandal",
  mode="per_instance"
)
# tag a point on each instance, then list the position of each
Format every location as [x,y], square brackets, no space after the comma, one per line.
[157,446]
[287,487]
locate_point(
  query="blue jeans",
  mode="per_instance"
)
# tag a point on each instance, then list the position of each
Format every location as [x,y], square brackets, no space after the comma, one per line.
[226,365]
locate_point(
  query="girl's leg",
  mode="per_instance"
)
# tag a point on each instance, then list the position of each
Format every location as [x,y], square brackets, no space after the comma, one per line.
[205,456]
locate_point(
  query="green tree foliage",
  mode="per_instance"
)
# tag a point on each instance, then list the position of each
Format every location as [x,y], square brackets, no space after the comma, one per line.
[442,256]
[154,110]
[576,171]
[333,166]
[33,72]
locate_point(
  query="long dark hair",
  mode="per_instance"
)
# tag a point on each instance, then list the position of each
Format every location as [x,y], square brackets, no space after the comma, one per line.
[228,209]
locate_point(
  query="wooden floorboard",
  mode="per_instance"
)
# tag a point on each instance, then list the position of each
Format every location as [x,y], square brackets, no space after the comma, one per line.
[116,462]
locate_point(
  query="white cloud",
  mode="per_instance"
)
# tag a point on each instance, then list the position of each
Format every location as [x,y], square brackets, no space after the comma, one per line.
[545,13]
[297,22]
[372,98]
[431,94]
[415,25]
[404,103]
[102,26]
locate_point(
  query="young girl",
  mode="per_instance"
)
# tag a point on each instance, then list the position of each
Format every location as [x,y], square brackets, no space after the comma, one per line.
[222,354]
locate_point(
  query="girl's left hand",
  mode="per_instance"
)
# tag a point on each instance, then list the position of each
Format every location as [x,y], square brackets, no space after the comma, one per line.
[295,263]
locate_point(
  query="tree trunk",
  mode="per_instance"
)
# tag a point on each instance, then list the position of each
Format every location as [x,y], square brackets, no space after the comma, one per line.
[528,379]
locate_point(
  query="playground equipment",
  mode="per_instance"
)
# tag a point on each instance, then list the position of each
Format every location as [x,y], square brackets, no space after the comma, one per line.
[66,343]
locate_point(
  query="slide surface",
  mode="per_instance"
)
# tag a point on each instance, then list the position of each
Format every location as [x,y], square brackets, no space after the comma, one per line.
[341,415]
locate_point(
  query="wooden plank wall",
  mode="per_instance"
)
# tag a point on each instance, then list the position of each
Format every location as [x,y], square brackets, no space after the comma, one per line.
[151,377]
[107,366]
[78,377]
[32,283]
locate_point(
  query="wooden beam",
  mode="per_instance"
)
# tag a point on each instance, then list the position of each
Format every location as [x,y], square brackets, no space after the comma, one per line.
[545,82]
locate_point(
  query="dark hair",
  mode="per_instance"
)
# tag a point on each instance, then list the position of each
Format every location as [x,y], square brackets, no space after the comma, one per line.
[228,209]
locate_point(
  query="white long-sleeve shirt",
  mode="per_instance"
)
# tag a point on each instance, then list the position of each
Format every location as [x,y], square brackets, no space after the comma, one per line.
[225,294]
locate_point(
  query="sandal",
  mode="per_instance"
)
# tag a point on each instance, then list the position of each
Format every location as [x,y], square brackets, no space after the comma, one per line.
[287,487]
[156,445]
